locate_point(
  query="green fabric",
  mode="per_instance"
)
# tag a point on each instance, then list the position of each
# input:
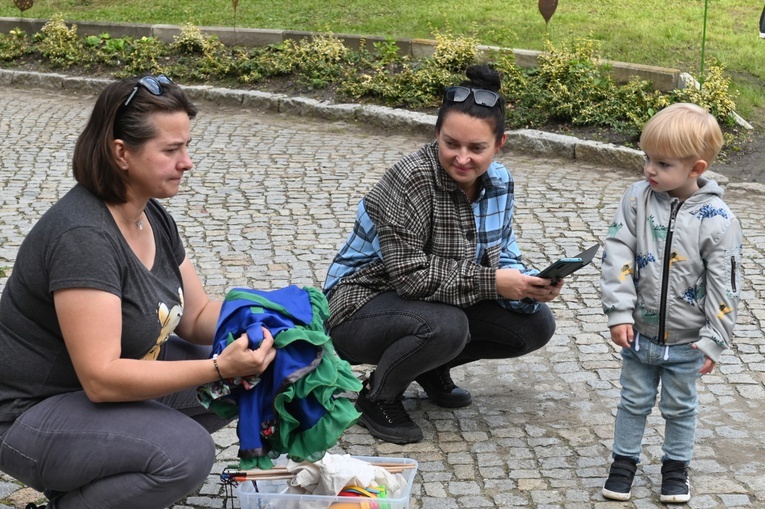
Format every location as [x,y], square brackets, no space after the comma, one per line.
[331,377]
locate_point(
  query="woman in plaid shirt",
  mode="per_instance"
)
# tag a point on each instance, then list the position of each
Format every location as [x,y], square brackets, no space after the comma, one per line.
[431,276]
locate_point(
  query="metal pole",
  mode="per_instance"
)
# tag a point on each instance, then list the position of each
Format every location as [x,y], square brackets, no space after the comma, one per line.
[703,45]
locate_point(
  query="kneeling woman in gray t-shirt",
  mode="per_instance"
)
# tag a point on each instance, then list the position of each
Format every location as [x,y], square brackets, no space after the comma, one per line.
[97,392]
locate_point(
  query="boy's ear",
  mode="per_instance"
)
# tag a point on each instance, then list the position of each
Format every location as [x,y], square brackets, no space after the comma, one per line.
[699,167]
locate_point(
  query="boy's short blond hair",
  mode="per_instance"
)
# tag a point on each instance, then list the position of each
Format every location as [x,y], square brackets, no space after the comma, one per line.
[683,131]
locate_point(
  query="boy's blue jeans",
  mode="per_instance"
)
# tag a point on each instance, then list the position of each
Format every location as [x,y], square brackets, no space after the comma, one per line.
[645,365]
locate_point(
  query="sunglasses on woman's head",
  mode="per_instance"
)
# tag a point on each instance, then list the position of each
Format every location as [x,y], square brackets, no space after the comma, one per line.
[150,83]
[482,97]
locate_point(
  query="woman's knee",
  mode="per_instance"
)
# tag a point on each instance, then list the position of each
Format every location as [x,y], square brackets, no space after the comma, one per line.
[540,330]
[546,322]
[390,323]
[451,330]
[190,456]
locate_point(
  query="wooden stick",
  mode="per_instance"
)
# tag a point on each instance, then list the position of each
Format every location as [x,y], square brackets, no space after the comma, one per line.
[281,473]
[403,466]
[387,466]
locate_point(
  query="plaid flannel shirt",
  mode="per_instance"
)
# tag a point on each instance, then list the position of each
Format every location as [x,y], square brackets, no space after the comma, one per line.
[416,233]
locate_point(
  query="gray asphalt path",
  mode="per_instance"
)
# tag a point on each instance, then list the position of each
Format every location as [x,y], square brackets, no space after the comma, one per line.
[270,200]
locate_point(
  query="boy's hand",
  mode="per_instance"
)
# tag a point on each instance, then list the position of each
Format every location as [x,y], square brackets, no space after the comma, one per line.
[708,367]
[622,334]
[709,364]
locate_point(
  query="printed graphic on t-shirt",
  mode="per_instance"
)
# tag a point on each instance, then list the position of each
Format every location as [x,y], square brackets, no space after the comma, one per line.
[169,319]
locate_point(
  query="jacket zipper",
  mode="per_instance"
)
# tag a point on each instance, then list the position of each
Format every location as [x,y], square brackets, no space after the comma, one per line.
[733,273]
[674,207]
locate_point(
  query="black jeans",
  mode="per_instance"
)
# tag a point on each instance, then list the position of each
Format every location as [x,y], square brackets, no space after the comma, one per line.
[405,338]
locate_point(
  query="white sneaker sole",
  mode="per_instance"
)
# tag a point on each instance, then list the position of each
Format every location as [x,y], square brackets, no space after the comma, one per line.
[615,495]
[675,499]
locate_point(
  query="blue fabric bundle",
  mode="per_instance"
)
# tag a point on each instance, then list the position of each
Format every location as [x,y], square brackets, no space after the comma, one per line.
[295,408]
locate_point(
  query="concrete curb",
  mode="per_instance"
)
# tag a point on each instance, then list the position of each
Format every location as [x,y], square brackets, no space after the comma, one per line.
[523,141]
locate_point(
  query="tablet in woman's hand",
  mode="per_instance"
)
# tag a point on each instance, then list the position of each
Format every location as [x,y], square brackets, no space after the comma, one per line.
[566,266]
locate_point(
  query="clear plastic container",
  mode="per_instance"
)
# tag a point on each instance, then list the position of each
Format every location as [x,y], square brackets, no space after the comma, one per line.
[273,494]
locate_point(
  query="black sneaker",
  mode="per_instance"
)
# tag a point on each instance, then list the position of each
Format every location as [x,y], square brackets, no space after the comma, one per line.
[440,388]
[33,506]
[675,487]
[619,483]
[387,420]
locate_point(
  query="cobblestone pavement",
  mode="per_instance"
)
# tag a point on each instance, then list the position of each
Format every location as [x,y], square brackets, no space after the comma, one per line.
[270,200]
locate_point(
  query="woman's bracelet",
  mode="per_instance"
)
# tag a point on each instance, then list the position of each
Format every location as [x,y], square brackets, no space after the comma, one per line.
[217,368]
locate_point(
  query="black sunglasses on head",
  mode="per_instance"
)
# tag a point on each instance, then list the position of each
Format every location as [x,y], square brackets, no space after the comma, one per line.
[482,97]
[150,83]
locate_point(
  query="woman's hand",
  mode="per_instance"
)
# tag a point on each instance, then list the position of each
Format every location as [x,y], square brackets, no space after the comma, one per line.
[239,360]
[511,284]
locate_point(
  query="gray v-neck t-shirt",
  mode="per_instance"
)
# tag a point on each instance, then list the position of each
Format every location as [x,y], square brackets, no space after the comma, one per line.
[77,244]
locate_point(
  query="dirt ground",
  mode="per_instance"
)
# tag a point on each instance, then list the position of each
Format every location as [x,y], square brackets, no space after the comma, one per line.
[748,164]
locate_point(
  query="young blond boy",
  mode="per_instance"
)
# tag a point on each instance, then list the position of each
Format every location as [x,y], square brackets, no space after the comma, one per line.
[670,285]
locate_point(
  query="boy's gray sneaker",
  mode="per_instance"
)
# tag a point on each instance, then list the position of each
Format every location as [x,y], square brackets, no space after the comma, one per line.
[619,483]
[675,486]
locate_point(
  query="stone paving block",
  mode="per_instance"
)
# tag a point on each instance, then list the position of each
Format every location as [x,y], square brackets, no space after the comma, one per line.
[6,488]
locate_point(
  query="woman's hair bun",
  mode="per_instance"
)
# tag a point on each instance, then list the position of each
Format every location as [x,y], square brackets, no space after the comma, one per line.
[483,76]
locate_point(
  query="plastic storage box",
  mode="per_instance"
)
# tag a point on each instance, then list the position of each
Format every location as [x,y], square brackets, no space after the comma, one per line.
[273,494]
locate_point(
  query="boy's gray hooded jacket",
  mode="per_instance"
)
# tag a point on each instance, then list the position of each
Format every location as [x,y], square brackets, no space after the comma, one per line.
[674,269]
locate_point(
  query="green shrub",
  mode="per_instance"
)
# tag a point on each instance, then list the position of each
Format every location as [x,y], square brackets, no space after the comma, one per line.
[191,40]
[59,44]
[455,54]
[14,45]
[406,86]
[399,82]
[575,85]
[387,51]
[204,57]
[570,85]
[714,94]
[105,50]
[522,90]
[141,57]
[255,64]
[318,60]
